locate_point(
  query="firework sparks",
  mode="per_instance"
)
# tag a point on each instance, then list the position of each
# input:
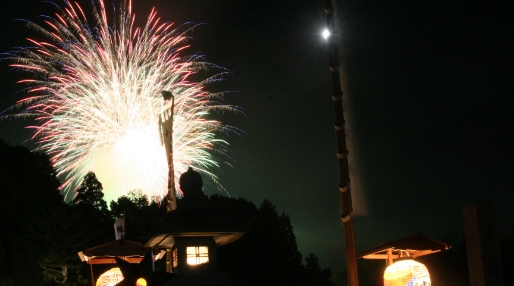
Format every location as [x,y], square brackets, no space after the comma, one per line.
[95,93]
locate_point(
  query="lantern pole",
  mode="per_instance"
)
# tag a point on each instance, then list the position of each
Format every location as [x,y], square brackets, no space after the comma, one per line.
[166,131]
[92,276]
[342,151]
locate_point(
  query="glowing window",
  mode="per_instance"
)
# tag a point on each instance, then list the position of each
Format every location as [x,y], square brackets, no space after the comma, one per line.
[175,258]
[197,255]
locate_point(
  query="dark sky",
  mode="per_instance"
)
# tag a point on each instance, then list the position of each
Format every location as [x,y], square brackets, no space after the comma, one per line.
[429,100]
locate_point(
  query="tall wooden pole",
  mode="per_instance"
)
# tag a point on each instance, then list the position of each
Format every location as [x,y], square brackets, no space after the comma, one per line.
[342,151]
[166,129]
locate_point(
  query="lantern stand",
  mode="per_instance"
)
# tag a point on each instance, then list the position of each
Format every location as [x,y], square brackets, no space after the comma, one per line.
[127,250]
[399,256]
[415,246]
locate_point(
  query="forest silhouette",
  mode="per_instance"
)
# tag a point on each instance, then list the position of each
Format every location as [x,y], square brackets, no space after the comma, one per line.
[41,234]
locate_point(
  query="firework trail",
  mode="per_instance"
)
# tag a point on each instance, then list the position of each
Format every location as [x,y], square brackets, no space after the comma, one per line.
[95,92]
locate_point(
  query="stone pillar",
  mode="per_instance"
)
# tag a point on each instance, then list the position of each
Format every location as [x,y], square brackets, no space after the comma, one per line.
[483,245]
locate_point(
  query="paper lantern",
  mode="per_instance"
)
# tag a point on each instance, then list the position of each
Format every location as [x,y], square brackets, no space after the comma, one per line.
[110,278]
[406,273]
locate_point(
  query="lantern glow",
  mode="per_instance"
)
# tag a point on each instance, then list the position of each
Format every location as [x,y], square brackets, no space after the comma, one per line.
[406,272]
[110,277]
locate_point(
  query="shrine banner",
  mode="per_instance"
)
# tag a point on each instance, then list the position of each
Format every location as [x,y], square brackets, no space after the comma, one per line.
[119,228]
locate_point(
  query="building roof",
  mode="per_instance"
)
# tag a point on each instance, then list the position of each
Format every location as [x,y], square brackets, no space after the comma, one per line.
[411,246]
[128,250]
[197,222]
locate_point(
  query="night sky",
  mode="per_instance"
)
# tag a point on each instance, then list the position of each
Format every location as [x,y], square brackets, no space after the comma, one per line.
[429,98]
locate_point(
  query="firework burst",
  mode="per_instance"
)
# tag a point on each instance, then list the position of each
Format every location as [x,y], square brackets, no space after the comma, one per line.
[95,92]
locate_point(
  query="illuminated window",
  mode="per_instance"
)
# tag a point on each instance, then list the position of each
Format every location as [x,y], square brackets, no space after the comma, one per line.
[197,255]
[175,258]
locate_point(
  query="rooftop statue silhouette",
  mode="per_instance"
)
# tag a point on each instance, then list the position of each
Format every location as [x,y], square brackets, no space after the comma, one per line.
[195,216]
[191,185]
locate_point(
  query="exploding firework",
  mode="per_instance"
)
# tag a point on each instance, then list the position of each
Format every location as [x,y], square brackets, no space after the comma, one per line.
[95,91]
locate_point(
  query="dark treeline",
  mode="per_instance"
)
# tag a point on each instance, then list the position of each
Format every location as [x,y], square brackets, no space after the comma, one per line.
[41,234]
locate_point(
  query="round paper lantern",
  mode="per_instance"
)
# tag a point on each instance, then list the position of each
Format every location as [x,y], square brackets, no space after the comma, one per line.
[110,277]
[406,273]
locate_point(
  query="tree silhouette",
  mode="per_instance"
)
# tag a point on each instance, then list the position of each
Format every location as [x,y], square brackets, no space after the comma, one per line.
[268,253]
[140,214]
[84,222]
[41,234]
[314,275]
[65,233]
[90,192]
[29,191]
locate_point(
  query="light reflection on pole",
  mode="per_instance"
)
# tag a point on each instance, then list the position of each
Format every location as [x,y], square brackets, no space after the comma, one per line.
[342,150]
